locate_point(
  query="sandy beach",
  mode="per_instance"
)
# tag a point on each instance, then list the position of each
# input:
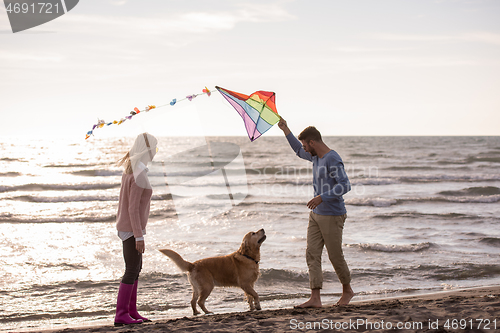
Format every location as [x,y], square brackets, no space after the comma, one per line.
[466,310]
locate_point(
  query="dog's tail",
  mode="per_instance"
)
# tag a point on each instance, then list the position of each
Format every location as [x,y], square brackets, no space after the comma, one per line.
[184,265]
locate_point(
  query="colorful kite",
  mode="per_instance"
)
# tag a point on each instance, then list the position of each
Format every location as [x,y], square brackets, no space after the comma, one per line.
[257,110]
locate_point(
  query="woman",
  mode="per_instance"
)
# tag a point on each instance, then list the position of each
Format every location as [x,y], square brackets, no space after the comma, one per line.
[132,217]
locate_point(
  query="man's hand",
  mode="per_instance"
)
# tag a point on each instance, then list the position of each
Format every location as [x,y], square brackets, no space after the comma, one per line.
[314,202]
[283,126]
[140,246]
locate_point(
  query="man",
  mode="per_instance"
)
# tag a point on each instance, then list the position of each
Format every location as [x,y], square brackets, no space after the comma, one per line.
[328,213]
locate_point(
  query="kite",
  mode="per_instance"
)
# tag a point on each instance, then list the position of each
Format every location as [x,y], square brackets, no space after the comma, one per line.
[257,110]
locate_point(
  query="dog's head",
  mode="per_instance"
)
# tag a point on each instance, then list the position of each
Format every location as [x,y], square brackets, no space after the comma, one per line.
[251,243]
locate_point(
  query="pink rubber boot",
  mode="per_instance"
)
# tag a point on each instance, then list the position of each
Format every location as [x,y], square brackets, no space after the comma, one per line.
[132,308]
[122,316]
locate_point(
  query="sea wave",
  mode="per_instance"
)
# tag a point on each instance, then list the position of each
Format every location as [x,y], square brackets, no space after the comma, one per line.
[10,174]
[58,187]
[155,173]
[367,155]
[8,159]
[9,218]
[470,160]
[375,202]
[493,159]
[374,181]
[491,241]
[458,271]
[32,198]
[236,196]
[164,212]
[97,173]
[63,266]
[279,171]
[270,203]
[380,178]
[419,215]
[453,271]
[404,168]
[467,199]
[80,198]
[71,165]
[376,247]
[13,318]
[386,202]
[473,191]
[449,178]
[278,275]
[280,181]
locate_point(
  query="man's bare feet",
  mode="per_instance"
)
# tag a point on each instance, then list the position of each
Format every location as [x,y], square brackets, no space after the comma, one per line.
[347,295]
[310,304]
[313,302]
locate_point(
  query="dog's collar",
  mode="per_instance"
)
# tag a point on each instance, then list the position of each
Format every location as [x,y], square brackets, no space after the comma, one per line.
[250,258]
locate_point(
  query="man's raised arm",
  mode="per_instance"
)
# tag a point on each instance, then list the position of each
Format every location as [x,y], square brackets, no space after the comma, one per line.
[292,140]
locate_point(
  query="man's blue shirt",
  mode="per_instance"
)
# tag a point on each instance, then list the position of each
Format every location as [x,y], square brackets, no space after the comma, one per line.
[329,178]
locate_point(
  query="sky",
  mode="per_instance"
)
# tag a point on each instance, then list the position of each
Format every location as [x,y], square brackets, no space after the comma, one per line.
[364,67]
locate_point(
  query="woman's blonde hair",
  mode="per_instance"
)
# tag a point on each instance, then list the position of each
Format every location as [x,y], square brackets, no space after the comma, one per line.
[126,160]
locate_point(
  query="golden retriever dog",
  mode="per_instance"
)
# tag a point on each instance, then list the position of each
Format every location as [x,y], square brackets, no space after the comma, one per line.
[238,269]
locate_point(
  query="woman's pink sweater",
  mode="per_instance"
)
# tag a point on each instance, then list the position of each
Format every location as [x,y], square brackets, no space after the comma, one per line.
[133,207]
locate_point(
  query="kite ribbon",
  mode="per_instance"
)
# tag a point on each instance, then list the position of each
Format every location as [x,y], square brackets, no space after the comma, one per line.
[101,123]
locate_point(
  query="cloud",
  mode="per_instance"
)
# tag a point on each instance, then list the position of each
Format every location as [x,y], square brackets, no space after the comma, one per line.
[118,2]
[476,37]
[197,22]
[483,37]
[349,49]
[40,58]
[368,62]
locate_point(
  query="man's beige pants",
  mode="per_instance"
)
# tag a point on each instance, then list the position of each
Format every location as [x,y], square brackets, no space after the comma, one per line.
[325,230]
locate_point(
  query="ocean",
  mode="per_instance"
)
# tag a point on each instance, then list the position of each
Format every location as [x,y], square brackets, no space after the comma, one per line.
[423,216]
